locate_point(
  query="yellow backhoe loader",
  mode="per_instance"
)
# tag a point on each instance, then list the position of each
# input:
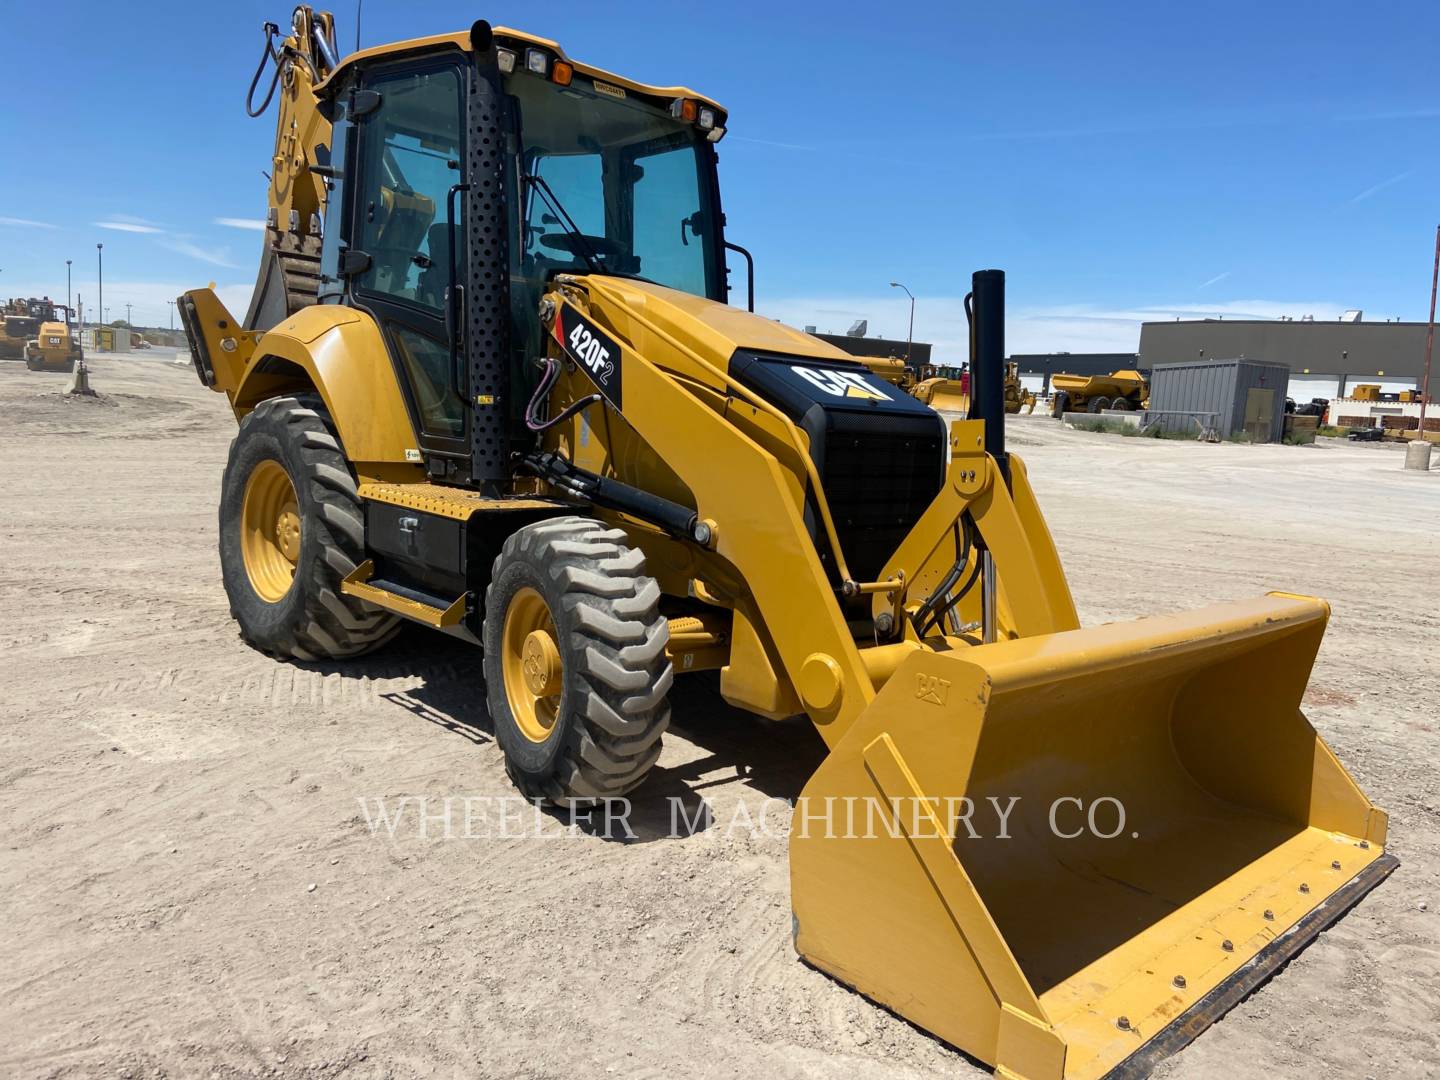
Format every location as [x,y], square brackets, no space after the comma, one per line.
[491,383]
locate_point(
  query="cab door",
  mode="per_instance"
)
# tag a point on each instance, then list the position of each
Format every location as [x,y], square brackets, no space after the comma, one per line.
[405,222]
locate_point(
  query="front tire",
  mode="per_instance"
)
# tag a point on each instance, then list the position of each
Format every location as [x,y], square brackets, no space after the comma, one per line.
[576,673]
[1062,404]
[291,528]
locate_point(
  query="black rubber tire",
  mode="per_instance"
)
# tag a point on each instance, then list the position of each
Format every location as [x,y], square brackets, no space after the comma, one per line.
[1062,403]
[611,638]
[314,620]
[1121,404]
[1097,404]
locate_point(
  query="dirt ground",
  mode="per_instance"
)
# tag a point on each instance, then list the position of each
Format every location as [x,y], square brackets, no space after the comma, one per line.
[188,884]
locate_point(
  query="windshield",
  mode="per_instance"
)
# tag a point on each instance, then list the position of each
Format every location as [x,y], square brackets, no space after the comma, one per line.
[635,181]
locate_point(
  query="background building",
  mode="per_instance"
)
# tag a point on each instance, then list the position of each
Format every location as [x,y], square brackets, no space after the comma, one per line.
[1326,359]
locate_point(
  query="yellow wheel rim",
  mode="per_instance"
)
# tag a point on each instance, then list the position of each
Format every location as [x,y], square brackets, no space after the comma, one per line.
[534,673]
[270,531]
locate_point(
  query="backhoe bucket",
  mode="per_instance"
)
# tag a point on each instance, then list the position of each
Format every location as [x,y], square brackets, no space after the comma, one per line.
[1068,854]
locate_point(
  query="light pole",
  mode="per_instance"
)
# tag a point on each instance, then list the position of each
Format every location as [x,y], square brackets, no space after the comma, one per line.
[172,313]
[67,287]
[1429,337]
[910,336]
[100,262]
[127,315]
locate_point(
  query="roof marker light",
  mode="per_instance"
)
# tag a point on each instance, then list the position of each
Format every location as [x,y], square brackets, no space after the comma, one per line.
[561,73]
[683,109]
[506,59]
[537,61]
[707,119]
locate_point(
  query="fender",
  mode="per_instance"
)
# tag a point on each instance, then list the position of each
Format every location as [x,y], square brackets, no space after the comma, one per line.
[334,351]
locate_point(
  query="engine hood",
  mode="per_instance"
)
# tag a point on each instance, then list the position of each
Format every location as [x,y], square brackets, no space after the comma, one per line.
[715,331]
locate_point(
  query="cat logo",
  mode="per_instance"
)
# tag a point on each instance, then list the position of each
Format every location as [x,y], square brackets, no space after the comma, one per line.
[842,384]
[932,688]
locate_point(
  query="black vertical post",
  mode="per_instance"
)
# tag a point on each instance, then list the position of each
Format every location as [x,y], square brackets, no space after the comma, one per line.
[987,362]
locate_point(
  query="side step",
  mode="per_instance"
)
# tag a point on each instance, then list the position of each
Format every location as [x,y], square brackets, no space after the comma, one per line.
[419,607]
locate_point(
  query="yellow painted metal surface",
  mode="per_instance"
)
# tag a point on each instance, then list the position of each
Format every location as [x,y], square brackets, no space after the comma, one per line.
[451,502]
[947,395]
[270,530]
[504,35]
[51,348]
[357,583]
[334,351]
[1231,801]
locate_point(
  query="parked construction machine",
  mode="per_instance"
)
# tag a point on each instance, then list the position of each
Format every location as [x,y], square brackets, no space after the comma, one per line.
[507,399]
[40,332]
[944,389]
[1123,390]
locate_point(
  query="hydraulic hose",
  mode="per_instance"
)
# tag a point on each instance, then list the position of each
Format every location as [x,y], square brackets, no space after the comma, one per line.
[542,391]
[267,52]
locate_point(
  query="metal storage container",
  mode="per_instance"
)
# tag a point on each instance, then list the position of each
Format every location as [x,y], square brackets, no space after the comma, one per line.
[1232,396]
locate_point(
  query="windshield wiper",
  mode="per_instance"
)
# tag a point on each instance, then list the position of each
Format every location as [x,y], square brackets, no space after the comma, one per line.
[582,244]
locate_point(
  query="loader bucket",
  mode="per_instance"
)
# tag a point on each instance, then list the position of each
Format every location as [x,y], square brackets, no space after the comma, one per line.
[1065,941]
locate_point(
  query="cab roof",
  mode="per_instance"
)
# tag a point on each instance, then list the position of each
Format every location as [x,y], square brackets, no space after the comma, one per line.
[505,36]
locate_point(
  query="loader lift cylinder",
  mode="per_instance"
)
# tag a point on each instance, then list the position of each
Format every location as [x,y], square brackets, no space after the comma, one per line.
[987,362]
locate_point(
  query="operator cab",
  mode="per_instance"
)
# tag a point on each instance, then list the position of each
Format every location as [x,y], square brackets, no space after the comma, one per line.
[463,179]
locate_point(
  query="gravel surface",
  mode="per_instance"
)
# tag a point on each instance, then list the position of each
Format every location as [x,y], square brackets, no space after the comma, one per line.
[190,885]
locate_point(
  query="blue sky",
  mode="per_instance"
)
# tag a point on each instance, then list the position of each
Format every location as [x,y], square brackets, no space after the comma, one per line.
[1120,161]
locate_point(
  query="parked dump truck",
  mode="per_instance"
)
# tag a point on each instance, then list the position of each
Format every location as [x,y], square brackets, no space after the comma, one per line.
[1096,393]
[562,445]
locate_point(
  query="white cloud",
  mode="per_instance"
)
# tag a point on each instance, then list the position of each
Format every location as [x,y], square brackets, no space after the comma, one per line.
[241,223]
[25,223]
[183,246]
[126,226]
[1377,188]
[940,320]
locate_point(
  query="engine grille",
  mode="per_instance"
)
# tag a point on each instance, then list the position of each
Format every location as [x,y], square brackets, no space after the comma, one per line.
[879,474]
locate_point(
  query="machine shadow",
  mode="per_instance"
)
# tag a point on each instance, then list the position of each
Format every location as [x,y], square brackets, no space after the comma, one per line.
[774,758]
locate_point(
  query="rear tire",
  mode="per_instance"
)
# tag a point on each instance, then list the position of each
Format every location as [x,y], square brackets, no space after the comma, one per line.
[576,673]
[1121,404]
[1097,404]
[306,617]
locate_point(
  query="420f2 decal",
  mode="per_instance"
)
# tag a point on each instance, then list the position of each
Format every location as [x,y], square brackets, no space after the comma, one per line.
[592,348]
